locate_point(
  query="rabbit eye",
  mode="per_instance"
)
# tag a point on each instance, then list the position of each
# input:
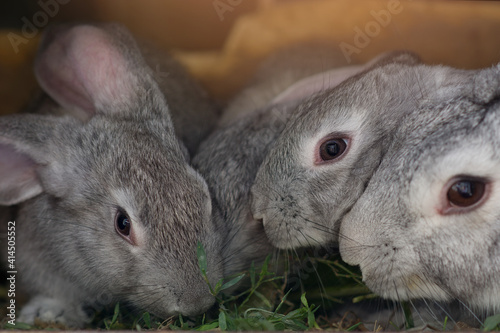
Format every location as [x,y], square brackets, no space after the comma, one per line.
[466,192]
[122,224]
[332,149]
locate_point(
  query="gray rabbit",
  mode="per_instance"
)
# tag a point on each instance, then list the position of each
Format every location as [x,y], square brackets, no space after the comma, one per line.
[428,224]
[230,157]
[108,207]
[323,159]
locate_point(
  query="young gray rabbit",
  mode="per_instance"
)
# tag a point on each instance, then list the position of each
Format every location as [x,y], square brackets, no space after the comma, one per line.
[320,164]
[428,224]
[108,208]
[230,157]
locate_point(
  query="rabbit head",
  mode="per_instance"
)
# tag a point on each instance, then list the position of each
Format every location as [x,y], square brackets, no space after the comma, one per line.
[108,202]
[428,223]
[323,159]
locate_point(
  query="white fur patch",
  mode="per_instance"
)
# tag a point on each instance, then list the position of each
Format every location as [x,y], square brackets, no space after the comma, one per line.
[428,193]
[414,287]
[51,310]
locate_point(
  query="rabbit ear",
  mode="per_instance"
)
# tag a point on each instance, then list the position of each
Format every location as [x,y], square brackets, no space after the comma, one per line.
[487,85]
[22,154]
[316,83]
[89,69]
[395,57]
[330,79]
[18,179]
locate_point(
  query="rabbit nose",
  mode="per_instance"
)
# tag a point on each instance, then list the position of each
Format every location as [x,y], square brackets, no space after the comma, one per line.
[192,305]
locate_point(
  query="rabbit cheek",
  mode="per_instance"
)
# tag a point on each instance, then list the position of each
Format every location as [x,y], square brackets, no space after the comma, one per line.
[389,264]
[396,275]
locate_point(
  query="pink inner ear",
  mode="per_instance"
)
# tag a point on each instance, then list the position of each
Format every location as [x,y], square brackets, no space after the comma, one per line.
[316,83]
[18,178]
[82,68]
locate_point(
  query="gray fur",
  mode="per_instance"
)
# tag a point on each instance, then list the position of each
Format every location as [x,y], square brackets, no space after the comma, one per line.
[193,113]
[229,160]
[398,233]
[71,175]
[278,72]
[230,157]
[301,202]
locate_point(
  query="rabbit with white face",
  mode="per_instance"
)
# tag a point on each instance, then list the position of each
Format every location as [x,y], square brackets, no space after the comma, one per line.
[323,159]
[108,208]
[428,224]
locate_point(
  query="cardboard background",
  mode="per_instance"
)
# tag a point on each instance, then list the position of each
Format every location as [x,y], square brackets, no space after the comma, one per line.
[221,41]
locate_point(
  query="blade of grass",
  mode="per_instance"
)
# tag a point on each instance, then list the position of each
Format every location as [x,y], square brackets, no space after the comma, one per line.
[408,315]
[445,323]
[202,263]
[222,321]
[232,282]
[492,323]
[353,327]
[147,319]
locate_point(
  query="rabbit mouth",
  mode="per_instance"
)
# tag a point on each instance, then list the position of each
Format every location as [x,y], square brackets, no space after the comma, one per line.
[287,235]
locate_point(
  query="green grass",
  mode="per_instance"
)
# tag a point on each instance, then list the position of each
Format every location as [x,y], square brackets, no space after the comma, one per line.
[492,323]
[266,303]
[301,301]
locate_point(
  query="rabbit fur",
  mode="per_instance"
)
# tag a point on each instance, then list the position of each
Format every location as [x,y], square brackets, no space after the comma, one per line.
[301,197]
[105,159]
[232,154]
[407,234]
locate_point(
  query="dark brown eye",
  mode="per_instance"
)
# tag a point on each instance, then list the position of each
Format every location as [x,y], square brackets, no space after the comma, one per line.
[466,192]
[122,224]
[332,149]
